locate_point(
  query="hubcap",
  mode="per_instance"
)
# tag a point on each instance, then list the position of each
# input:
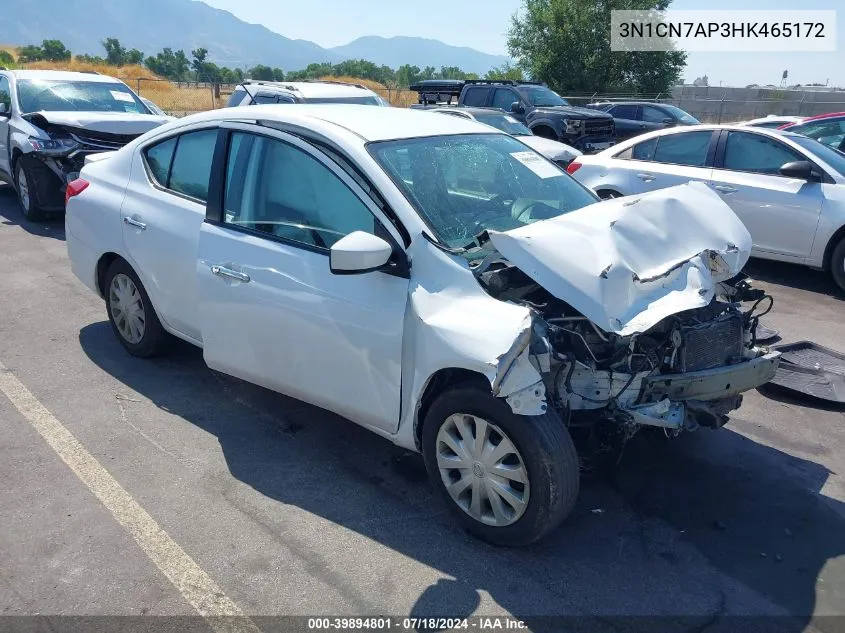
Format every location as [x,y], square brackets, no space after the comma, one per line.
[127,308]
[482,470]
[23,189]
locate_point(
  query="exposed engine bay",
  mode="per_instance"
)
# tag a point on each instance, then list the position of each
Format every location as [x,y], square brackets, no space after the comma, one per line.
[674,376]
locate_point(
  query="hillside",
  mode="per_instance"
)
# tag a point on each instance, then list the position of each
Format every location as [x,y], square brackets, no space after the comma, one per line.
[418,51]
[151,25]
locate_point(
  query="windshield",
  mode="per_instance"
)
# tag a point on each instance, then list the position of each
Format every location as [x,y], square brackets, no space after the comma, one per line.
[505,123]
[464,184]
[680,114]
[541,96]
[832,157]
[37,95]
[356,100]
[828,131]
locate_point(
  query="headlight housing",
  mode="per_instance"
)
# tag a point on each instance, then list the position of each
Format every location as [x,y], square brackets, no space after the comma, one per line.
[573,126]
[53,146]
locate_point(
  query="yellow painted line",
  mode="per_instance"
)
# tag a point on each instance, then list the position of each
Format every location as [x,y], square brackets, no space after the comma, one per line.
[223,615]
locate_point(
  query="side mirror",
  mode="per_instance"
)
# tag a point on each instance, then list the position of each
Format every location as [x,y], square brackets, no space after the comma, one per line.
[517,108]
[802,169]
[669,121]
[357,253]
[4,110]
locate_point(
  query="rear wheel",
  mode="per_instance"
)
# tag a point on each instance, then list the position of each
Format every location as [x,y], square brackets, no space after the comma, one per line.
[25,183]
[837,264]
[510,479]
[131,313]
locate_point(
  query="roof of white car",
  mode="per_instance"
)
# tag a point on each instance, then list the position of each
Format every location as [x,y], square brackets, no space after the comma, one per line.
[370,123]
[62,75]
[314,90]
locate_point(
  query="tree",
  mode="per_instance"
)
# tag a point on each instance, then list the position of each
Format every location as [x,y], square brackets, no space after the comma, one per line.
[134,56]
[30,53]
[115,53]
[168,64]
[261,73]
[505,71]
[6,59]
[54,51]
[90,59]
[566,43]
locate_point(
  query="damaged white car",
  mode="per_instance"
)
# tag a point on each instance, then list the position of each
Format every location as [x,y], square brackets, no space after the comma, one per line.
[432,280]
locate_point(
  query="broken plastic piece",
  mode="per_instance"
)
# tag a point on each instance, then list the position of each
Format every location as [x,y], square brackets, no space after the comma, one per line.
[811,369]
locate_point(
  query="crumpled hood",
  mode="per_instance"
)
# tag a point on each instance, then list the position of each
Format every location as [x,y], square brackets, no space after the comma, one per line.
[628,263]
[108,122]
[553,150]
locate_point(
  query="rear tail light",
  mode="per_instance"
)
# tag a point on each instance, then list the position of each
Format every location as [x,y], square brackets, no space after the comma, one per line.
[573,167]
[75,187]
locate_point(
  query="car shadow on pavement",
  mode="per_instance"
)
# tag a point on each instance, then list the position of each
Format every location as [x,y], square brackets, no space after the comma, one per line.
[793,276]
[699,527]
[11,214]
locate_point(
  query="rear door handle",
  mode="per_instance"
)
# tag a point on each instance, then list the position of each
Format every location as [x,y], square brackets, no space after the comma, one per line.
[645,177]
[725,188]
[228,273]
[141,226]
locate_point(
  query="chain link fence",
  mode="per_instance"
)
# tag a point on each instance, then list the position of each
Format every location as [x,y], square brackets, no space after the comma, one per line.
[708,105]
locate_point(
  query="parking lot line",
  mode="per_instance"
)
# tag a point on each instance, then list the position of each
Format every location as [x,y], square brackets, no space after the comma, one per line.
[196,586]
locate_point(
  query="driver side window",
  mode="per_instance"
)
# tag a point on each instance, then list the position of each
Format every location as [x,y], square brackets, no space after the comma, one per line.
[278,189]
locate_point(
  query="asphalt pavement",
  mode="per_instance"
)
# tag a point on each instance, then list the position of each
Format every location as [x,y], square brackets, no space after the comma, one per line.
[286,509]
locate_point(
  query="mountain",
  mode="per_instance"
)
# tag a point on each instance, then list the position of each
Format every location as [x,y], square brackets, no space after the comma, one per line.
[418,51]
[151,25]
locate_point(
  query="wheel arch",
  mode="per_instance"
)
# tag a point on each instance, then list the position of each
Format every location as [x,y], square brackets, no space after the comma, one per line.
[437,383]
[103,264]
[834,240]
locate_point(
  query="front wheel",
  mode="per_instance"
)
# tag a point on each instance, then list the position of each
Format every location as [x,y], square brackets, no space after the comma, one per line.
[25,183]
[837,264]
[510,479]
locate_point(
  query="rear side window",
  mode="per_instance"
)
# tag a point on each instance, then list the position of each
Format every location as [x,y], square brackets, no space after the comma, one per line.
[757,153]
[236,98]
[624,111]
[476,96]
[683,149]
[183,163]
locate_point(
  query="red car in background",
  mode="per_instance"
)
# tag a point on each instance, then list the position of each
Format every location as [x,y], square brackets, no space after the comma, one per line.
[825,128]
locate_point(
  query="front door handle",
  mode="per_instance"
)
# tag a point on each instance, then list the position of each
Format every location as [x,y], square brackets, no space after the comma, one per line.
[141,226]
[645,177]
[725,188]
[222,271]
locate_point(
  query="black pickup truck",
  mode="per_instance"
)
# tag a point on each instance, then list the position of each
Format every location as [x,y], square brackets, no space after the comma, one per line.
[541,109]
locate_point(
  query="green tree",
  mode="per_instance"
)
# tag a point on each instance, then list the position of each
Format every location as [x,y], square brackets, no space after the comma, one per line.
[30,53]
[115,52]
[505,71]
[6,59]
[89,59]
[54,51]
[261,73]
[566,43]
[170,64]
[134,56]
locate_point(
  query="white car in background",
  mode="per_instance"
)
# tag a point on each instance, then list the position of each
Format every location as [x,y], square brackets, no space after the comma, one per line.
[431,279]
[788,190]
[557,152]
[773,121]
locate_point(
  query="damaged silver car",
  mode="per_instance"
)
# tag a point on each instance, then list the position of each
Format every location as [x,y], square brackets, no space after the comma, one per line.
[433,280]
[51,120]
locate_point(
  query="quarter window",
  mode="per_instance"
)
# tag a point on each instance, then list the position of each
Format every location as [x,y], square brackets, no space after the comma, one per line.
[683,149]
[757,153]
[624,111]
[183,163]
[281,190]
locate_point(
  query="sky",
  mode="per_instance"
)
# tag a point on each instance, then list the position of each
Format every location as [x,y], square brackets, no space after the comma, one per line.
[483,25]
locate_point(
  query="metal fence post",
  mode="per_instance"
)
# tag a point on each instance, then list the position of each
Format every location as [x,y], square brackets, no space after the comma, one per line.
[139,86]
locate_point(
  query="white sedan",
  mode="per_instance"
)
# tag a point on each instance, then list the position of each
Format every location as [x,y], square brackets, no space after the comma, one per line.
[788,190]
[432,280]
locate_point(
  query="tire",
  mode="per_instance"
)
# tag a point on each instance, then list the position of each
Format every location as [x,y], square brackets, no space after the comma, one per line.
[837,264]
[131,314]
[543,448]
[25,183]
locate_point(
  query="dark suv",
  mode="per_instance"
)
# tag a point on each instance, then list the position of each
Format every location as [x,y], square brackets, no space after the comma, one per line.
[544,111]
[637,117]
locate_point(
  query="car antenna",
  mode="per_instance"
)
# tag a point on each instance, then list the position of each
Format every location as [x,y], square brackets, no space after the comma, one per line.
[246,90]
